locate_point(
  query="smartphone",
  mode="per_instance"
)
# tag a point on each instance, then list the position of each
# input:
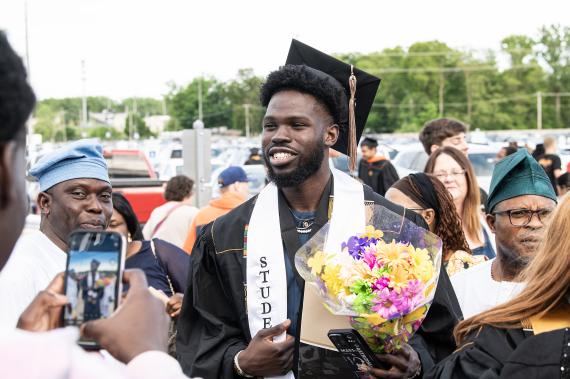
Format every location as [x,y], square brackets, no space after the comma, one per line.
[93,286]
[354,350]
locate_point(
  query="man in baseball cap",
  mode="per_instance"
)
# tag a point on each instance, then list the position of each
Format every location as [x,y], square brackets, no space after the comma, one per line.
[234,190]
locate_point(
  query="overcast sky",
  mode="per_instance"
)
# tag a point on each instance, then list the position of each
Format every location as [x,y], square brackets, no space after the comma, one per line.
[134,47]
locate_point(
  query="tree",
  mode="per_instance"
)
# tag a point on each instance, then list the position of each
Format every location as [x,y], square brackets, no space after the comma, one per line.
[139,127]
[183,104]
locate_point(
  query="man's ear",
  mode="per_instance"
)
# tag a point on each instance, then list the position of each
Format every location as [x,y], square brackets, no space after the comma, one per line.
[7,151]
[331,134]
[4,175]
[491,221]
[44,202]
[434,148]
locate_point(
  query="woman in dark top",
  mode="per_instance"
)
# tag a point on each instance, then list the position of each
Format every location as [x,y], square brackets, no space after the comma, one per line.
[165,265]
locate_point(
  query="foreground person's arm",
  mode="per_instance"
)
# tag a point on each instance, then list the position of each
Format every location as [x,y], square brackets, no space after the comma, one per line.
[135,334]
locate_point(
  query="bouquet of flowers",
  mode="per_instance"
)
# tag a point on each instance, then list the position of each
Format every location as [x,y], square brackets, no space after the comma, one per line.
[383,278]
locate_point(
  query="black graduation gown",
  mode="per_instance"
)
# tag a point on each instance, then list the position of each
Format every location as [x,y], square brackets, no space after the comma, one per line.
[509,353]
[213,324]
[379,175]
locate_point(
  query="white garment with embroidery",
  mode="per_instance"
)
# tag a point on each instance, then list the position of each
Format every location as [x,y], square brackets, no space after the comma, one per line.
[35,261]
[477,292]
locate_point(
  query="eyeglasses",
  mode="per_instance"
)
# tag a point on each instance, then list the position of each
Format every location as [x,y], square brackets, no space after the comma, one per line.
[454,174]
[522,217]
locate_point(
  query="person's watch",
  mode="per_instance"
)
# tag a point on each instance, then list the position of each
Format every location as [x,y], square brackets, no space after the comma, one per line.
[238,369]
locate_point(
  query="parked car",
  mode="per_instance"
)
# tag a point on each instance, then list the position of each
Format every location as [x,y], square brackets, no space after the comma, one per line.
[132,174]
[483,158]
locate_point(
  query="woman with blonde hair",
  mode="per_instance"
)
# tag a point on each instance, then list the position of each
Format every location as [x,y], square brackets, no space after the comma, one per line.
[529,336]
[456,173]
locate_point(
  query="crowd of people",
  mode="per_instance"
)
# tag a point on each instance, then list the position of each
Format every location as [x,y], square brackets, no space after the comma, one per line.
[225,297]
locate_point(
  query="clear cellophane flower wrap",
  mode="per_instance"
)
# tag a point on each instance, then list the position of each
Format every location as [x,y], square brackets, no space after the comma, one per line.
[383,278]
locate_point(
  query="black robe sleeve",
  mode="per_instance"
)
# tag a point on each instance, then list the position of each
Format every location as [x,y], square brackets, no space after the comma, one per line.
[209,330]
[483,357]
[387,176]
[434,340]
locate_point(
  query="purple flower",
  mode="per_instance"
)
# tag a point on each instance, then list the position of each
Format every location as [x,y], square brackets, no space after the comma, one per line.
[356,246]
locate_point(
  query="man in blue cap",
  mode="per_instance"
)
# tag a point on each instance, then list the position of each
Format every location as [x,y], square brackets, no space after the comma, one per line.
[520,200]
[75,192]
[135,335]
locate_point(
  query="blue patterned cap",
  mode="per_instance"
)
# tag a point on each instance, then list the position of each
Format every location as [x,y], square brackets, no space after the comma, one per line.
[82,159]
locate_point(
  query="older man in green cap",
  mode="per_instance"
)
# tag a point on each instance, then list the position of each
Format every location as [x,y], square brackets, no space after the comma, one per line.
[520,200]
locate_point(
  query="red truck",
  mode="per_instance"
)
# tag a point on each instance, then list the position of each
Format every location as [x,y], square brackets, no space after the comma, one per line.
[132,174]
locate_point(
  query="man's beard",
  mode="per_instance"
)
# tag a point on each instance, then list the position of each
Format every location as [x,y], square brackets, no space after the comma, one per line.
[306,168]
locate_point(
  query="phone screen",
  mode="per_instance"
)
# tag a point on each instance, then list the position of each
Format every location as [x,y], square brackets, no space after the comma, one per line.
[93,276]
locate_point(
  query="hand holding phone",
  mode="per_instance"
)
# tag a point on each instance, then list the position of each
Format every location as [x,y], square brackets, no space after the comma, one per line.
[93,286]
[139,325]
[354,350]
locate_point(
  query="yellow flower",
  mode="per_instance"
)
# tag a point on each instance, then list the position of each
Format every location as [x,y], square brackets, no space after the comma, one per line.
[422,262]
[316,262]
[332,279]
[371,232]
[418,314]
[373,319]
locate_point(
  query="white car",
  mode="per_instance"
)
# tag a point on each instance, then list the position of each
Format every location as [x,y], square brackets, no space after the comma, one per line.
[483,158]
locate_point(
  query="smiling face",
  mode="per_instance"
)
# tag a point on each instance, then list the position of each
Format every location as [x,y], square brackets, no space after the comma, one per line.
[452,175]
[518,244]
[75,204]
[297,132]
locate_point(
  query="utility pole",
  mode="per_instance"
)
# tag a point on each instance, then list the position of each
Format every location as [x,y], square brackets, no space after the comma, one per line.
[130,121]
[539,110]
[200,114]
[135,113]
[246,107]
[83,98]
[441,84]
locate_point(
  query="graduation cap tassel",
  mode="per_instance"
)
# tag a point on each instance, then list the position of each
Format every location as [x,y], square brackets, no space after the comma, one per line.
[352,143]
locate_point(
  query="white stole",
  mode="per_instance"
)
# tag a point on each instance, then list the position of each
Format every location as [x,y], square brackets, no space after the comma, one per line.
[266,275]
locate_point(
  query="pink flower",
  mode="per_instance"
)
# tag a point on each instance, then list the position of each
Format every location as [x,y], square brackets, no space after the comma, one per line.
[386,304]
[381,283]
[370,259]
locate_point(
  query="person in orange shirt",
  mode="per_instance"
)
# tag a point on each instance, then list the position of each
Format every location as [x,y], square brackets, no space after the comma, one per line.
[234,189]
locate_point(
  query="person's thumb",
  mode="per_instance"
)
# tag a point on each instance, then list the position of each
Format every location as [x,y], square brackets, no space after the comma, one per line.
[274,331]
[93,329]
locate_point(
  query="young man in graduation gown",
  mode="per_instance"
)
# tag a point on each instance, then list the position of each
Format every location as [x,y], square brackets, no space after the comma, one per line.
[242,315]
[375,170]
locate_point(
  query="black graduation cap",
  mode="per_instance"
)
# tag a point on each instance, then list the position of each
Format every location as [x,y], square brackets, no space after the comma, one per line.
[359,102]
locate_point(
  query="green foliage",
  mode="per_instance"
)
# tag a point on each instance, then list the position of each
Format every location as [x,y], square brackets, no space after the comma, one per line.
[425,81]
[105,133]
[139,126]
